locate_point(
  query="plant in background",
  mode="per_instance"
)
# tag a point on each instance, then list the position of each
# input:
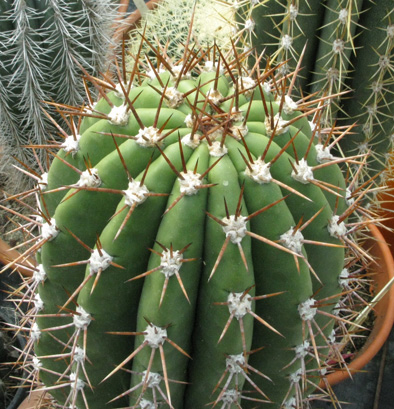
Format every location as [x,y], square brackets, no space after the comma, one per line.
[194,246]
[348,56]
[346,48]
[169,22]
[42,45]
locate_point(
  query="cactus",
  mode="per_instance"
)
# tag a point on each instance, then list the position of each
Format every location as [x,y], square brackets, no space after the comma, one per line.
[194,246]
[169,22]
[348,55]
[42,45]
[345,47]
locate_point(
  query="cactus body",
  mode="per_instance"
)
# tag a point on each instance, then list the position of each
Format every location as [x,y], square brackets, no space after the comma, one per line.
[43,45]
[349,45]
[192,240]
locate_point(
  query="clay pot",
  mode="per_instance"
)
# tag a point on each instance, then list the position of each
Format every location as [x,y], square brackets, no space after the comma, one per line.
[22,265]
[383,272]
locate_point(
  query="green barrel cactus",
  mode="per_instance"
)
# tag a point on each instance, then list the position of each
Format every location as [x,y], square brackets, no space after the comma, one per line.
[194,245]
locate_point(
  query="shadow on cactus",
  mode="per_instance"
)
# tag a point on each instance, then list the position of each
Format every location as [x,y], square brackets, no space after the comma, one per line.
[194,246]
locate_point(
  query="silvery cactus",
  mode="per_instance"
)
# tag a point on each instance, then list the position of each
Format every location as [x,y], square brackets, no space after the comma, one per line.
[195,248]
[42,45]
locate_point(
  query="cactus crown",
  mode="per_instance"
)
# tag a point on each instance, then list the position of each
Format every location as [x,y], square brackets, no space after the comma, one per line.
[193,237]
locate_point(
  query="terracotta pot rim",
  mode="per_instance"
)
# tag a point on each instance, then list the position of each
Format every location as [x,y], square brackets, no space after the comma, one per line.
[12,258]
[384,321]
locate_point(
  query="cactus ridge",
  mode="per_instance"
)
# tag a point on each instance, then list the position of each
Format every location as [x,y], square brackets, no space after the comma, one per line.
[346,48]
[194,231]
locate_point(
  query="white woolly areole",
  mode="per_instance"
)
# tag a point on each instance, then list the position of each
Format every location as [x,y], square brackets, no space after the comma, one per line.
[246,86]
[49,230]
[189,121]
[89,109]
[235,363]
[293,12]
[214,96]
[307,309]
[173,97]
[191,140]
[338,46]
[211,66]
[230,396]
[99,262]
[290,404]
[170,265]
[177,69]
[342,16]
[286,42]
[135,193]
[235,228]
[71,144]
[119,91]
[89,178]
[323,153]
[302,172]
[82,319]
[155,336]
[348,196]
[190,182]
[79,355]
[148,137]
[35,332]
[289,106]
[296,376]
[337,309]
[332,337]
[280,125]
[292,240]
[249,25]
[39,275]
[43,182]
[152,74]
[343,278]
[267,87]
[259,171]
[147,404]
[38,303]
[239,131]
[239,304]
[390,31]
[119,115]
[216,150]
[153,380]
[301,350]
[79,384]
[336,229]
[37,364]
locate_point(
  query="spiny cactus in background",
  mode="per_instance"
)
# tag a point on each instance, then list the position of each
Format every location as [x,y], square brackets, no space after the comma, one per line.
[42,44]
[194,249]
[346,48]
[349,48]
[169,22]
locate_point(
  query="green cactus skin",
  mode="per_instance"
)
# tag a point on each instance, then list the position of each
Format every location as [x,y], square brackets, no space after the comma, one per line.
[193,238]
[42,43]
